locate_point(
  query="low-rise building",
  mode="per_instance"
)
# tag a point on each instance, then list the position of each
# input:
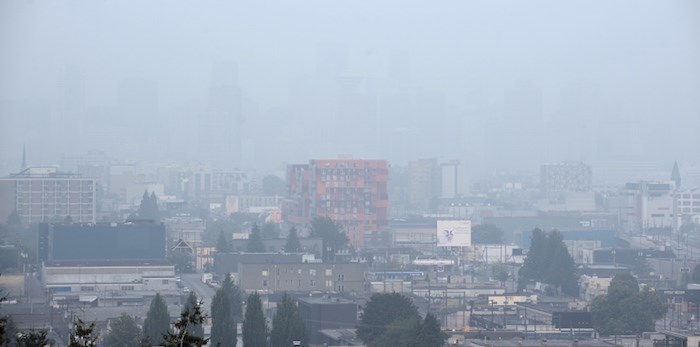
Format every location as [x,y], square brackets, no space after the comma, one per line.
[327,313]
[273,277]
[108,283]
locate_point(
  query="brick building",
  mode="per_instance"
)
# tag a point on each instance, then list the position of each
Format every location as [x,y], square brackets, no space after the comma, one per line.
[352,192]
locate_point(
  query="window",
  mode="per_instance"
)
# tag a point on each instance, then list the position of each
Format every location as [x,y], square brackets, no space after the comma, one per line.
[341,277]
[312,272]
[91,289]
[312,283]
[265,272]
[165,282]
[264,284]
[128,288]
[329,272]
[341,288]
[329,284]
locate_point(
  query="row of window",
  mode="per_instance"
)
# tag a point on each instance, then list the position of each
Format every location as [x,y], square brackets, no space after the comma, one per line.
[312,284]
[312,272]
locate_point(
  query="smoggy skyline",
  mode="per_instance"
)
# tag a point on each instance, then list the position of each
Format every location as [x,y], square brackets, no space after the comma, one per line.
[497,85]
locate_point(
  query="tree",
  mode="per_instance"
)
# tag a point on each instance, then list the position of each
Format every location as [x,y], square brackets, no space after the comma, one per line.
[487,234]
[157,322]
[255,243]
[254,325]
[192,305]
[400,332]
[223,327]
[430,334]
[82,335]
[33,338]
[222,244]
[333,239]
[626,309]
[549,261]
[381,310]
[186,334]
[68,220]
[270,231]
[293,245]
[148,209]
[183,261]
[153,201]
[234,297]
[124,332]
[287,325]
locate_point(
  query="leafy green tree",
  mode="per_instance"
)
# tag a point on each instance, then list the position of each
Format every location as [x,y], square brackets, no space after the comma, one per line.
[255,243]
[626,309]
[400,332]
[332,237]
[185,335]
[293,244]
[33,338]
[157,322]
[223,327]
[254,324]
[430,334]
[536,262]
[83,335]
[287,325]
[273,185]
[381,310]
[191,305]
[222,243]
[124,332]
[270,231]
[487,234]
[234,297]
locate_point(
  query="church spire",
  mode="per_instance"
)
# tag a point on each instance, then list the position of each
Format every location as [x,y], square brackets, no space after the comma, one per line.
[676,175]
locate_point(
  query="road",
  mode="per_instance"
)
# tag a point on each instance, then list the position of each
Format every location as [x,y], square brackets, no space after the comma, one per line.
[204,293]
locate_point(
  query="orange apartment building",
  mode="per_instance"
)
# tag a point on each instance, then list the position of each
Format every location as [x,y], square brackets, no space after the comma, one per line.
[352,192]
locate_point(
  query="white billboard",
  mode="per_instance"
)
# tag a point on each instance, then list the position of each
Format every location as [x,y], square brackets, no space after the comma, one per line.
[454,233]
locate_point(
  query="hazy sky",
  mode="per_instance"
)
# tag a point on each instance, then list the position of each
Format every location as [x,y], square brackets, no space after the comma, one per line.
[256,84]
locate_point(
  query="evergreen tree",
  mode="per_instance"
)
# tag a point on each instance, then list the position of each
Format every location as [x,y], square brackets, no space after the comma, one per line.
[223,327]
[255,243]
[155,212]
[430,334]
[68,220]
[33,338]
[192,305]
[380,311]
[333,239]
[184,336]
[234,297]
[254,325]
[157,322]
[82,335]
[549,261]
[14,220]
[145,206]
[293,245]
[222,244]
[124,332]
[287,325]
